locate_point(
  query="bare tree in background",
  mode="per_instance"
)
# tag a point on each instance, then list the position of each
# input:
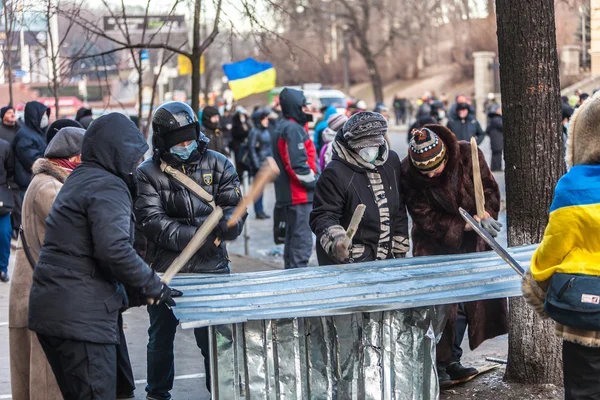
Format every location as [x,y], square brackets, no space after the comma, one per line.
[8,11]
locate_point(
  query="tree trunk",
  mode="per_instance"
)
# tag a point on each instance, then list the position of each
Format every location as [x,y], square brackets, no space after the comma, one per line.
[7,52]
[534,154]
[375,77]
[196,54]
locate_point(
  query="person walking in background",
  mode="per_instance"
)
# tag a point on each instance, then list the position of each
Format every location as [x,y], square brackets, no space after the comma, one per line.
[30,143]
[397,105]
[496,134]
[437,179]
[465,126]
[212,130]
[259,148]
[363,171]
[30,373]
[335,123]
[239,136]
[10,125]
[7,172]
[296,157]
[169,211]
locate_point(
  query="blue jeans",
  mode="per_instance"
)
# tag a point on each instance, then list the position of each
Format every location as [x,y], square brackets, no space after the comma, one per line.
[5,237]
[258,206]
[160,354]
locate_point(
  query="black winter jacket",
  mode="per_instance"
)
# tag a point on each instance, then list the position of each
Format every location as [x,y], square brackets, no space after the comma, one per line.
[169,214]
[88,252]
[7,173]
[465,129]
[259,146]
[344,184]
[8,133]
[496,133]
[30,143]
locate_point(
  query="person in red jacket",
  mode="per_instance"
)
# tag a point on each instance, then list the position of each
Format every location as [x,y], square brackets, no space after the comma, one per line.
[296,156]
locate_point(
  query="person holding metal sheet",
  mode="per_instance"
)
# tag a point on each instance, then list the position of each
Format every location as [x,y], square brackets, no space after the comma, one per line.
[563,280]
[179,187]
[364,171]
[437,179]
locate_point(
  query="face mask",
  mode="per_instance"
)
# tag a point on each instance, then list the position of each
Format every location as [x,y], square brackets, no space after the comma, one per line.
[369,154]
[184,152]
[44,122]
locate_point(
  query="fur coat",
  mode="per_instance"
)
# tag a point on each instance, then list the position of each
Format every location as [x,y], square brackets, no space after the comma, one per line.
[438,229]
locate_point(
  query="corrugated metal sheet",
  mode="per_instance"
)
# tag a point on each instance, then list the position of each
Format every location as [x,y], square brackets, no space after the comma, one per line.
[370,356]
[346,289]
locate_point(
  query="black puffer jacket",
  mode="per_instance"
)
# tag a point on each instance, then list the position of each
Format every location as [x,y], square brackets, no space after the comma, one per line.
[259,146]
[88,250]
[30,143]
[349,181]
[495,131]
[170,215]
[465,129]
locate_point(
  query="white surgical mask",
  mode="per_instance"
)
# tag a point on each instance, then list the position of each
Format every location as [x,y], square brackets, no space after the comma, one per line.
[44,121]
[369,154]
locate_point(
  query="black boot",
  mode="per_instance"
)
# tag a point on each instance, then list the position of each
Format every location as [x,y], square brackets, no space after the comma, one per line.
[457,372]
[443,377]
[4,277]
[262,215]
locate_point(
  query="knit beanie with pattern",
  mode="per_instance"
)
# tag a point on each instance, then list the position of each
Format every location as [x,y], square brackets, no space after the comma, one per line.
[365,129]
[427,151]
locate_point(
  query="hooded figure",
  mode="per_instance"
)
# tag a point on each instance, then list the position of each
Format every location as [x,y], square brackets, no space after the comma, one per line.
[259,147]
[31,375]
[494,130]
[296,158]
[335,123]
[363,171]
[240,129]
[86,258]
[211,128]
[563,279]
[30,142]
[437,179]
[84,117]
[320,127]
[169,214]
[465,126]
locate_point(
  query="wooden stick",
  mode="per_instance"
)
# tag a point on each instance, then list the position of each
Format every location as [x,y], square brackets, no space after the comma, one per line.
[194,245]
[359,212]
[479,196]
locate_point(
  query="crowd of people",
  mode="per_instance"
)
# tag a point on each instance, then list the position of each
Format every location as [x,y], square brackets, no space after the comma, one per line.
[97,222]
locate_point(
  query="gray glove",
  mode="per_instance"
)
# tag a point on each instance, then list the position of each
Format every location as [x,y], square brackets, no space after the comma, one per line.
[492,226]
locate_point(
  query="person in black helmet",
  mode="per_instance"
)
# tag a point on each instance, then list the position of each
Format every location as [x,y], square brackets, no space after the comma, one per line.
[87,258]
[169,214]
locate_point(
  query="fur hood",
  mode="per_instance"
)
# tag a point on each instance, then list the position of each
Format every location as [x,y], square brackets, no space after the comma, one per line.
[44,166]
[583,142]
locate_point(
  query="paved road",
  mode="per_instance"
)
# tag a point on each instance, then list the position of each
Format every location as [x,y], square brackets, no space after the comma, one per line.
[189,367]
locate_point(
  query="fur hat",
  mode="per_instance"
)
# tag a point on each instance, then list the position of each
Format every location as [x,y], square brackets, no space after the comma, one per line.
[583,142]
[427,151]
[365,129]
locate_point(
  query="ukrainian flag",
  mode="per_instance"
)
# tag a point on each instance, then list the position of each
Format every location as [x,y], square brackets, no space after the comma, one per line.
[249,77]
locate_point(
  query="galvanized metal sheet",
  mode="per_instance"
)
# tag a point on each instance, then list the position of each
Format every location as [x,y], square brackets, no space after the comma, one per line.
[381,355]
[346,289]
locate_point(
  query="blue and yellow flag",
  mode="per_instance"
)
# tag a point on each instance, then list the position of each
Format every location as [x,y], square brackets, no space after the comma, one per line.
[249,77]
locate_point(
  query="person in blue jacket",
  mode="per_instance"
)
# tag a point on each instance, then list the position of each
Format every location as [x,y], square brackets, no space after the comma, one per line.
[320,127]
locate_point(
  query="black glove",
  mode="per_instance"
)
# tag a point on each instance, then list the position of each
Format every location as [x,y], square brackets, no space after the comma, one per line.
[209,250]
[176,293]
[162,295]
[224,232]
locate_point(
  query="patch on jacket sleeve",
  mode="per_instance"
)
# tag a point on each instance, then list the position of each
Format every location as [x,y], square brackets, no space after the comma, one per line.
[590,298]
[208,179]
[300,146]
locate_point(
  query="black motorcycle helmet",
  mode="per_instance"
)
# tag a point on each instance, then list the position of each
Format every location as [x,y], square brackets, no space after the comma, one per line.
[172,123]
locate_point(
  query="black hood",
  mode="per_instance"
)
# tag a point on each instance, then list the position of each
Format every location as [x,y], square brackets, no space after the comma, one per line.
[114,143]
[34,111]
[291,101]
[207,113]
[83,112]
